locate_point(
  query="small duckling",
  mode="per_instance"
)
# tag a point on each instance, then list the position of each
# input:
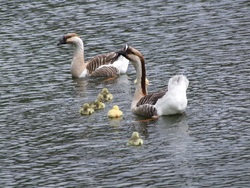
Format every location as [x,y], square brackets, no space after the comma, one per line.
[97,105]
[86,109]
[115,112]
[92,104]
[105,95]
[147,82]
[135,140]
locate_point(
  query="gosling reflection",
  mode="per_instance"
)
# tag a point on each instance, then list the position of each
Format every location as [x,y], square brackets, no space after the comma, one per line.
[115,122]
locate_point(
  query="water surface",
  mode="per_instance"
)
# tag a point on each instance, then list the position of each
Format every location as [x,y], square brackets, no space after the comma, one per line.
[44,142]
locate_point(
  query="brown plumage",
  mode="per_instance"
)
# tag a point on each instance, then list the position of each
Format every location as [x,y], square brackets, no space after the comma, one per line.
[103,59]
[151,98]
[168,102]
[109,64]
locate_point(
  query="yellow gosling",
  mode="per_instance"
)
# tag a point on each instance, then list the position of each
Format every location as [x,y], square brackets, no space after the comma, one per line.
[135,140]
[105,95]
[98,105]
[86,109]
[115,112]
[92,104]
[105,91]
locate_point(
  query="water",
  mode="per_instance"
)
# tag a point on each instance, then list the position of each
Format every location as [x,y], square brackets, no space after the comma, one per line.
[44,142]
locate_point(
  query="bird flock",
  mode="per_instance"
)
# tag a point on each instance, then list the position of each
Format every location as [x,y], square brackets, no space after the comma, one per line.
[169,101]
[103,96]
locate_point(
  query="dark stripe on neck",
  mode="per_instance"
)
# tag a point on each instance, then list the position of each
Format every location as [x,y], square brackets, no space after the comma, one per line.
[143,76]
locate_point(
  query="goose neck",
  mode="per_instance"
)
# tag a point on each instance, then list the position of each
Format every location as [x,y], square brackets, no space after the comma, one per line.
[141,89]
[77,64]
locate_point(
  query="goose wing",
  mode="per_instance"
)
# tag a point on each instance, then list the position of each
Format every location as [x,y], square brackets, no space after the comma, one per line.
[146,110]
[105,70]
[151,98]
[145,106]
[99,60]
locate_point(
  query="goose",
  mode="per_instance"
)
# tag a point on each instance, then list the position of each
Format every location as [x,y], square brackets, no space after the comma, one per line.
[135,140]
[108,65]
[115,112]
[86,109]
[165,102]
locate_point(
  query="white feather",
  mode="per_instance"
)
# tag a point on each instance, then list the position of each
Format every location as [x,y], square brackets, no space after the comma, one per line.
[121,64]
[84,73]
[175,99]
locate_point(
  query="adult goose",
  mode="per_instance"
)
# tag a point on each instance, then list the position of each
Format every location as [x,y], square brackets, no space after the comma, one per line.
[171,101]
[108,65]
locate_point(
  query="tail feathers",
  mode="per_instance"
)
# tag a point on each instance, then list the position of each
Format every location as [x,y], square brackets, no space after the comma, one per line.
[178,81]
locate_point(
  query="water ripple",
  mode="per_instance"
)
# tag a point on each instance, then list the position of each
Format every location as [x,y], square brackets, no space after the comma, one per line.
[46,143]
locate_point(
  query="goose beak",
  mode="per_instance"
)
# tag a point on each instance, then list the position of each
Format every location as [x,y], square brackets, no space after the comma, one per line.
[123,51]
[61,41]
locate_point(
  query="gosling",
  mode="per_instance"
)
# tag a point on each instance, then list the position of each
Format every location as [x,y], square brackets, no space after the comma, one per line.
[86,109]
[115,112]
[97,105]
[135,140]
[105,95]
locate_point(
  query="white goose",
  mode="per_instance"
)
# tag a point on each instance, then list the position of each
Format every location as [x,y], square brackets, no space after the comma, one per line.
[109,64]
[173,101]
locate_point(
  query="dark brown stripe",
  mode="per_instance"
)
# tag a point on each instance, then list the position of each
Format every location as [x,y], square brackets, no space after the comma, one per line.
[151,98]
[143,76]
[146,110]
[106,71]
[102,59]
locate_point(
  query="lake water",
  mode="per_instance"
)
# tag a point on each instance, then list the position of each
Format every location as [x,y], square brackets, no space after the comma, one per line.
[44,142]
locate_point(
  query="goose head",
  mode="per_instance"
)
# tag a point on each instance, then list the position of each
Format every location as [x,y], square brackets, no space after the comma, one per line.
[131,54]
[137,59]
[70,38]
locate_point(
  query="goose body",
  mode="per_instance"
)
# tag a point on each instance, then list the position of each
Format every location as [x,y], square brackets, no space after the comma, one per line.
[166,102]
[109,65]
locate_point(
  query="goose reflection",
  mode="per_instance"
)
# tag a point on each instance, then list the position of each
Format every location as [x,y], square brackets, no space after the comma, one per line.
[80,85]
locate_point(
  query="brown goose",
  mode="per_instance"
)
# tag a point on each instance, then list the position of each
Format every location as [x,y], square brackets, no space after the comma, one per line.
[173,101]
[108,65]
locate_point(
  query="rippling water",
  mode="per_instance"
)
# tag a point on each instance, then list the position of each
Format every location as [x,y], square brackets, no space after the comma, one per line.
[44,142]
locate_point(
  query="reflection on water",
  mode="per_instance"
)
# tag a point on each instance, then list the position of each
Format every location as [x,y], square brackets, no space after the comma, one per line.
[115,122]
[45,142]
[80,86]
